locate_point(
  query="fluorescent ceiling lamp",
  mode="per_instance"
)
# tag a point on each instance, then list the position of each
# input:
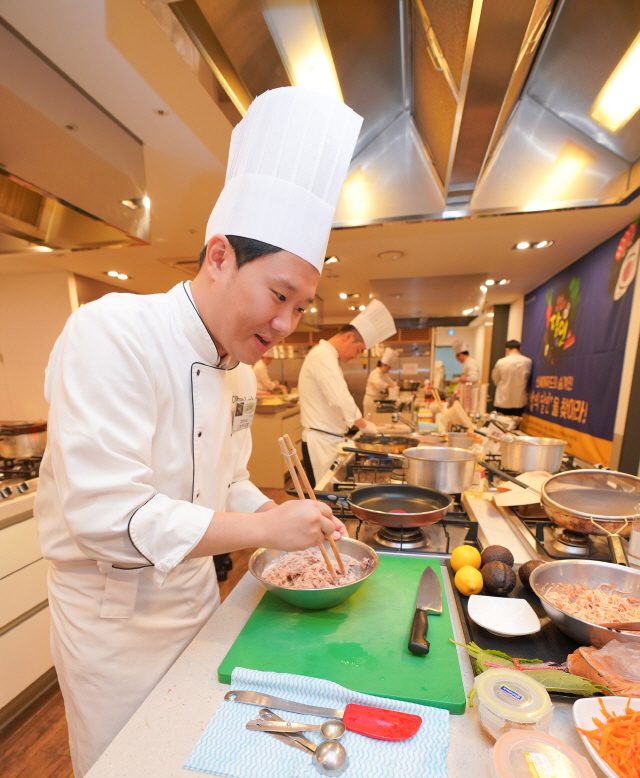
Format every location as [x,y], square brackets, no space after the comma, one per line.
[556,186]
[523,245]
[343,295]
[362,307]
[113,273]
[489,282]
[619,98]
[297,30]
[505,281]
[123,276]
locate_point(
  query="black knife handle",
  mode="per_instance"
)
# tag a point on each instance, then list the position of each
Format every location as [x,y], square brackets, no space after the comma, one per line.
[418,643]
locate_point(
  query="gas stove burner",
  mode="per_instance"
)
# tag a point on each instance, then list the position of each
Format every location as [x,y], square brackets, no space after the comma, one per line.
[397,476]
[19,468]
[573,543]
[394,537]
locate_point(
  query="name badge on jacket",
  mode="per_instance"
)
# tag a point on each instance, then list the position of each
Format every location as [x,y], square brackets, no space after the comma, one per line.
[243,412]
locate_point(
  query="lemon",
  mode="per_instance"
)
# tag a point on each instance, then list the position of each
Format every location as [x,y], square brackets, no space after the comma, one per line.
[468,580]
[465,555]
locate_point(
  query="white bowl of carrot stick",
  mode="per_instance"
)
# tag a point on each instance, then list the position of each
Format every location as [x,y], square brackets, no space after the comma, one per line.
[610,729]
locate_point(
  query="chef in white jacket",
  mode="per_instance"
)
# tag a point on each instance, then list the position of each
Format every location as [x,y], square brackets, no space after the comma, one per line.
[379,382]
[470,368]
[261,371]
[151,401]
[327,409]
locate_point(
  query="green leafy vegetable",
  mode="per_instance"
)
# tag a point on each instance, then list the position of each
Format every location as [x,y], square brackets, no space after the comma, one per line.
[553,680]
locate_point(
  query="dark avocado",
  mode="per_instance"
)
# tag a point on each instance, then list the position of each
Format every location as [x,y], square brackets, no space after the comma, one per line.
[499,578]
[497,554]
[525,571]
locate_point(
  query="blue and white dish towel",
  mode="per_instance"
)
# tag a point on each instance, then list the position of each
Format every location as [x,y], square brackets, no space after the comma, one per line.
[228,749]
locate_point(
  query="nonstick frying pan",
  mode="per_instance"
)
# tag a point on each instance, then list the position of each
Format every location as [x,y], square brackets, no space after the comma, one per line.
[393,505]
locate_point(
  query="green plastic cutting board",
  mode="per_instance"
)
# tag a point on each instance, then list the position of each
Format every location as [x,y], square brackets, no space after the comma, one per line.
[361,643]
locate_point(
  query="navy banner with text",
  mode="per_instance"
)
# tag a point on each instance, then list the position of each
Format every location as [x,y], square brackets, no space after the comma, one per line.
[575,329]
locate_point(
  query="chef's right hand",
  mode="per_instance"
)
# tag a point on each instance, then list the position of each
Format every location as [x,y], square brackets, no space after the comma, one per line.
[298,524]
[370,429]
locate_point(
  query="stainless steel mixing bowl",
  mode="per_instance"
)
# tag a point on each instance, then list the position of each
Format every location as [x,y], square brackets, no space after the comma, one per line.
[592,574]
[316,599]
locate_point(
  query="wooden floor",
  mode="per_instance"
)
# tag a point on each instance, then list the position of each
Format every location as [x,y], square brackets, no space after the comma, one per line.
[35,744]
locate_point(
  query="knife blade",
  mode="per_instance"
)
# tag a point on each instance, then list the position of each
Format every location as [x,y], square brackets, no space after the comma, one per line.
[428,600]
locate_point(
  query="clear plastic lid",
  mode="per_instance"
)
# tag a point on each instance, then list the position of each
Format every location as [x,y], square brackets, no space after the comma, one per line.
[513,695]
[536,755]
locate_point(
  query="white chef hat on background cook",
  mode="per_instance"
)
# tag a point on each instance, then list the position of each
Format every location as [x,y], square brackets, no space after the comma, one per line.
[374,324]
[288,159]
[390,357]
[459,345]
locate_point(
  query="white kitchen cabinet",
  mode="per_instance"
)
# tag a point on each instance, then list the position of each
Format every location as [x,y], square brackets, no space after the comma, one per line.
[25,655]
[267,466]
[18,546]
[23,590]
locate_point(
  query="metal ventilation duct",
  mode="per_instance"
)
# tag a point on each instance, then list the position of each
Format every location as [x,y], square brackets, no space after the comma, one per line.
[66,165]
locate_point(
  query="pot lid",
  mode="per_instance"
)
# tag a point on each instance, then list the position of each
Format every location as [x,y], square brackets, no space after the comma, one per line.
[603,495]
[526,754]
[22,427]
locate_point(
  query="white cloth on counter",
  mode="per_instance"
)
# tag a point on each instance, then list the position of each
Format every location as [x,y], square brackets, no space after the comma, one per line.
[511,377]
[227,748]
[470,370]
[261,372]
[326,404]
[141,454]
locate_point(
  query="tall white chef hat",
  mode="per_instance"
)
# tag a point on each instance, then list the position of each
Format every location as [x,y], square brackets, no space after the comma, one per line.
[287,162]
[459,345]
[374,324]
[390,357]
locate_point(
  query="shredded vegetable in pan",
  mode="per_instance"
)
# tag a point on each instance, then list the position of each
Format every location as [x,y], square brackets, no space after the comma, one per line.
[594,605]
[617,741]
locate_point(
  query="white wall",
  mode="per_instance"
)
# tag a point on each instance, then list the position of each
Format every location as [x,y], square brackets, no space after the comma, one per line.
[472,336]
[33,310]
[514,324]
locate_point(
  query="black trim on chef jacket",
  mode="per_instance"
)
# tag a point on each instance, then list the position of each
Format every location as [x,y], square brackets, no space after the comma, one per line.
[131,539]
[184,286]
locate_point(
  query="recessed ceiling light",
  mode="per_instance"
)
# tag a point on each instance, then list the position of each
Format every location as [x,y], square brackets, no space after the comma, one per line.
[488,324]
[343,295]
[352,308]
[371,297]
[477,308]
[489,282]
[468,312]
[331,260]
[313,310]
[490,315]
[483,288]
[42,248]
[543,244]
[123,276]
[113,273]
[391,254]
[524,244]
[146,202]
[355,295]
[505,281]
[362,307]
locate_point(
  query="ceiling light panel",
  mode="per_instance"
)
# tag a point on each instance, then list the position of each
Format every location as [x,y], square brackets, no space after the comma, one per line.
[619,99]
[297,30]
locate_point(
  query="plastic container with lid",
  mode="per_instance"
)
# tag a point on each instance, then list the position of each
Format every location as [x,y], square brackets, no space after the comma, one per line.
[509,699]
[536,755]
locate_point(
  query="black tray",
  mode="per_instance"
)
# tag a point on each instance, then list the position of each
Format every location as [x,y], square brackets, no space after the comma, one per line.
[550,644]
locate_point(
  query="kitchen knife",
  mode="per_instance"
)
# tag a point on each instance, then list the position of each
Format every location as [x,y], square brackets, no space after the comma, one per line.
[378,723]
[429,600]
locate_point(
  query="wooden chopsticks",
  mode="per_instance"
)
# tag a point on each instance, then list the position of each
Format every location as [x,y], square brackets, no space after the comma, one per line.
[293,463]
[436,394]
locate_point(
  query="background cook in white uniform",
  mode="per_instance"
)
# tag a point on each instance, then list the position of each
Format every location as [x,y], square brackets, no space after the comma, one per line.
[148,444]
[511,377]
[261,371]
[470,368]
[379,382]
[327,409]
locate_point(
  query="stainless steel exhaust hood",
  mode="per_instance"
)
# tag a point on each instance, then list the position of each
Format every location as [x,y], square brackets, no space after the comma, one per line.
[470,106]
[66,166]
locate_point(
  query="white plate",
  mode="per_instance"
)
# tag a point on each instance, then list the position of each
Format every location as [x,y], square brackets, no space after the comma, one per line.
[583,712]
[504,616]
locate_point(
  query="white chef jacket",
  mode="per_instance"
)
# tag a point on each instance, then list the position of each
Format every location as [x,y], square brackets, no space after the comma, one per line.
[511,376]
[327,409]
[470,370]
[265,384]
[141,454]
[377,384]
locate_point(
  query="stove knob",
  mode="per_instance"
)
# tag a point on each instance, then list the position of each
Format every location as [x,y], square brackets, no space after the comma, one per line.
[6,492]
[23,487]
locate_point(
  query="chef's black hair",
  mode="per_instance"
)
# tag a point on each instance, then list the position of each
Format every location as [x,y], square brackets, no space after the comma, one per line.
[513,344]
[349,328]
[463,352]
[246,250]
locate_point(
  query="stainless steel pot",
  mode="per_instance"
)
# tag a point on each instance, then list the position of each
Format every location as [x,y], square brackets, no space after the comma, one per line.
[386,444]
[408,386]
[448,470]
[524,455]
[459,440]
[591,574]
[22,440]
